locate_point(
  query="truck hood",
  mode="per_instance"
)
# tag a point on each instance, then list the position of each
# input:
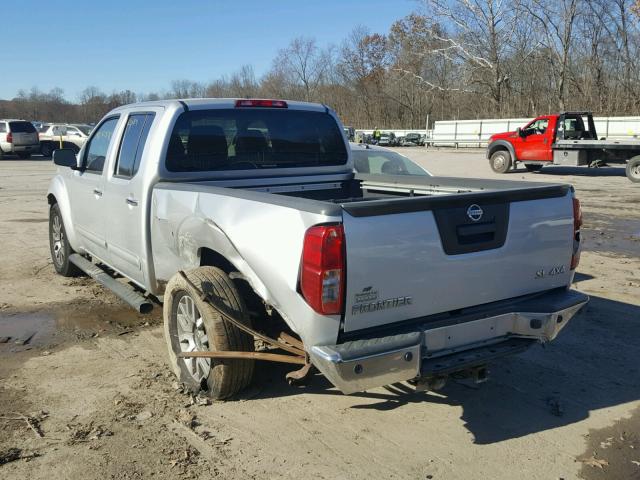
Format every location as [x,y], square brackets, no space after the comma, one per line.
[500,136]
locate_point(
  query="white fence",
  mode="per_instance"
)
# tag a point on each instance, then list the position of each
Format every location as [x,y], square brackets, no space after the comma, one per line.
[475,133]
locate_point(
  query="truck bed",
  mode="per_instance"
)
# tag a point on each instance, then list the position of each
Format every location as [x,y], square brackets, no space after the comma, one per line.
[597,144]
[410,238]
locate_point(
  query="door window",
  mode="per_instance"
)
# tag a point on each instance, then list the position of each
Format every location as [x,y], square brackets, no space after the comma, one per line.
[132,145]
[538,127]
[98,146]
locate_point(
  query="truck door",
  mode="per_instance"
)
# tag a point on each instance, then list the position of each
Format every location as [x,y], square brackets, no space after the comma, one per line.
[86,189]
[125,198]
[535,141]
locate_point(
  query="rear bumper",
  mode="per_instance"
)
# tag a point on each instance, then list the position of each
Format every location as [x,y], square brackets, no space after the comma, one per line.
[25,148]
[426,352]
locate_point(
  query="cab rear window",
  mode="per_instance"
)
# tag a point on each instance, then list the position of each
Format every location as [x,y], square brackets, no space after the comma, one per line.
[254,138]
[22,127]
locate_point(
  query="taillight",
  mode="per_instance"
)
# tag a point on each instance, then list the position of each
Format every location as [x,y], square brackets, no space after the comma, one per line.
[322,270]
[9,137]
[256,102]
[577,223]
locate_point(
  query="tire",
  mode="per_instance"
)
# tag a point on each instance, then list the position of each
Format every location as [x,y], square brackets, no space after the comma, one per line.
[533,167]
[501,161]
[46,149]
[633,169]
[207,330]
[24,156]
[59,245]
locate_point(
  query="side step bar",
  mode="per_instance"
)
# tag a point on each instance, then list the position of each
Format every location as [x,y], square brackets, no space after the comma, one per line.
[124,292]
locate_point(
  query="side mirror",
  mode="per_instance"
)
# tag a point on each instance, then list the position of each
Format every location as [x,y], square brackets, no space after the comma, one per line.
[519,132]
[65,158]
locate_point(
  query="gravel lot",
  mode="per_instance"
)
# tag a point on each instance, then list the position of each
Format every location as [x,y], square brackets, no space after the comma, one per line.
[89,395]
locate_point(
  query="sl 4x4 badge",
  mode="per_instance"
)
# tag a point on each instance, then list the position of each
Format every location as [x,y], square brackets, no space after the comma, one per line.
[553,271]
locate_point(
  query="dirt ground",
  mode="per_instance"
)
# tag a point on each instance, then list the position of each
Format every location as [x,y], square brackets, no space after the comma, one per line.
[86,393]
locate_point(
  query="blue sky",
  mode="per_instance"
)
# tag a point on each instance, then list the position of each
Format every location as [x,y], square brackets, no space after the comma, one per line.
[143,46]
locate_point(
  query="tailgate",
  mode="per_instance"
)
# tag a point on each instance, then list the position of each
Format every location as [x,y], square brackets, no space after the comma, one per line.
[25,139]
[414,257]
[23,133]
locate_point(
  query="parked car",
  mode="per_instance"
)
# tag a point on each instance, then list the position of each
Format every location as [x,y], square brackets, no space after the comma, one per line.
[242,215]
[376,160]
[56,135]
[387,139]
[412,140]
[18,137]
[568,138]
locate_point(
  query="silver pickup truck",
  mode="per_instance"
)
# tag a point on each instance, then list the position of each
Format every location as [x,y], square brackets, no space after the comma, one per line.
[247,220]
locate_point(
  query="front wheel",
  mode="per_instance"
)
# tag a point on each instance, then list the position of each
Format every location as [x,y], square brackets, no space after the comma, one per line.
[194,325]
[533,167]
[500,161]
[59,244]
[633,169]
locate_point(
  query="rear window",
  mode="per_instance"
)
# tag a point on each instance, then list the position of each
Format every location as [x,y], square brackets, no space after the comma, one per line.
[252,138]
[22,127]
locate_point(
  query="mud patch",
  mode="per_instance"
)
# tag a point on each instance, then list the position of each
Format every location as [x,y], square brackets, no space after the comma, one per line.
[44,328]
[29,220]
[609,234]
[613,452]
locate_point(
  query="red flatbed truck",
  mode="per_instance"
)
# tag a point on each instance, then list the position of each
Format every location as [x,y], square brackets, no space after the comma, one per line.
[568,139]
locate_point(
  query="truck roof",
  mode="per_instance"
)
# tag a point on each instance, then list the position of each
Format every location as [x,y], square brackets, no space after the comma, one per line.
[209,103]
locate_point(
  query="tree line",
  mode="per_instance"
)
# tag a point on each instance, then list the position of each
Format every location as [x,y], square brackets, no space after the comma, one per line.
[449,59]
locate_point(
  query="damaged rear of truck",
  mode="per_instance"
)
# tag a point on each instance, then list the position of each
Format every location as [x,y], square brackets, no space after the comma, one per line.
[248,213]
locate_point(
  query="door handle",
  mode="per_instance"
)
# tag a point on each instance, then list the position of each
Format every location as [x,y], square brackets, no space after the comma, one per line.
[97,193]
[132,201]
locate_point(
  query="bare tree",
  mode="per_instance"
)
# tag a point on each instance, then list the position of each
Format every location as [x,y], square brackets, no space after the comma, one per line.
[478,38]
[302,64]
[556,21]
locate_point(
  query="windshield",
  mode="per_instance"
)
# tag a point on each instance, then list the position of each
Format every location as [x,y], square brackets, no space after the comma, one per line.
[380,162]
[233,139]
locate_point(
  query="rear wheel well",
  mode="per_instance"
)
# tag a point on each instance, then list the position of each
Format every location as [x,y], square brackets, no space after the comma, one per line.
[271,323]
[51,199]
[212,258]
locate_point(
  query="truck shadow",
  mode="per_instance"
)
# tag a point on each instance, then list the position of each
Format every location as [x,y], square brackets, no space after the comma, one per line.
[593,364]
[580,171]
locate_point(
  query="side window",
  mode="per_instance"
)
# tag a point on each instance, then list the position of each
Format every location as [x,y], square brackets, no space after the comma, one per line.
[132,145]
[96,152]
[3,127]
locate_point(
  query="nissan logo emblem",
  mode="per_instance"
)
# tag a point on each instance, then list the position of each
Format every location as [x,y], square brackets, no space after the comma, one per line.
[474,212]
